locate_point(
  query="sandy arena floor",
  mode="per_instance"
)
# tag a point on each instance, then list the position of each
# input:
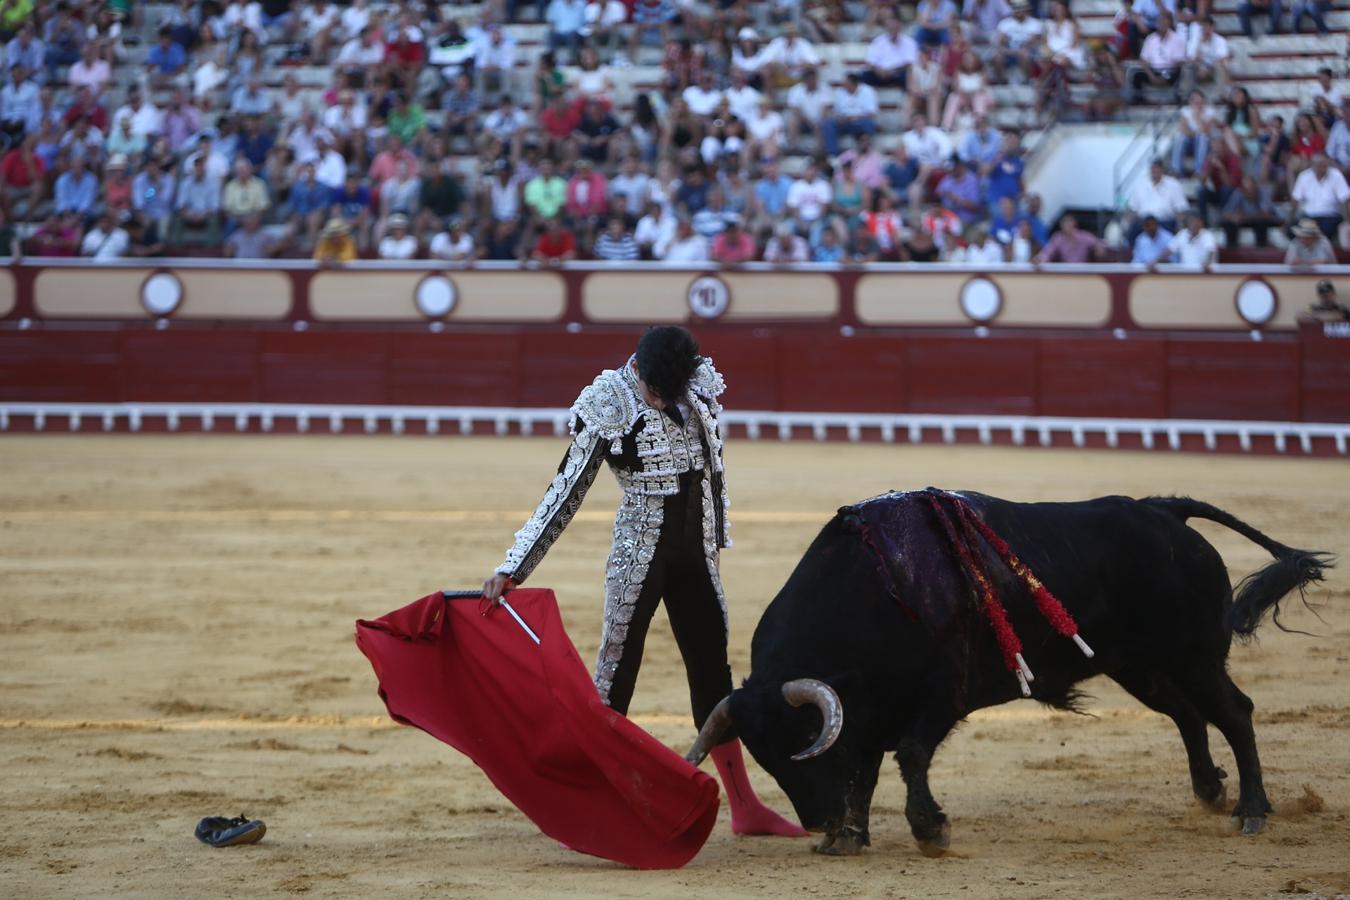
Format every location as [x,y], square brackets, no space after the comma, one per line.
[175,629]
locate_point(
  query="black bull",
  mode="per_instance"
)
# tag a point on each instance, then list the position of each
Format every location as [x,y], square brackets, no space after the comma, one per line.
[876,644]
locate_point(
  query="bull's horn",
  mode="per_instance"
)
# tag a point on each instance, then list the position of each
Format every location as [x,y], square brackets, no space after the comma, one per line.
[712,733]
[820,695]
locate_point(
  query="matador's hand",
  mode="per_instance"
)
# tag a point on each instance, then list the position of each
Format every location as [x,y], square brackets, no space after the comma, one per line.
[497,585]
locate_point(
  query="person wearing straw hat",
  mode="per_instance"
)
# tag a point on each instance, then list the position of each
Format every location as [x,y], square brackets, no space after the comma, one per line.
[335,244]
[1309,247]
[654,420]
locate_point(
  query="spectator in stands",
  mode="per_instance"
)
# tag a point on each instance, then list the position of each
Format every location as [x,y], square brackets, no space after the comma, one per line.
[933,20]
[889,56]
[886,226]
[685,245]
[502,242]
[1153,245]
[500,197]
[1194,246]
[26,50]
[86,106]
[1246,8]
[83,141]
[827,247]
[970,92]
[656,226]
[555,244]
[124,141]
[180,122]
[440,198]
[335,243]
[59,235]
[165,62]
[461,108]
[740,97]
[855,112]
[808,102]
[22,179]
[1219,176]
[587,199]
[1307,141]
[400,194]
[1320,193]
[1338,139]
[77,189]
[703,97]
[1157,195]
[788,56]
[1272,162]
[927,83]
[142,238]
[984,17]
[256,143]
[1249,207]
[1160,58]
[711,219]
[1208,53]
[251,98]
[250,240]
[809,198]
[116,185]
[352,202]
[786,247]
[565,20]
[902,177]
[597,132]
[632,185]
[869,166]
[615,243]
[982,249]
[453,243]
[1018,41]
[959,191]
[1071,244]
[407,120]
[90,71]
[243,195]
[734,244]
[770,193]
[1192,138]
[1313,9]
[929,146]
[545,193]
[654,16]
[63,37]
[1309,247]
[307,203]
[360,54]
[748,58]
[494,58]
[1003,224]
[506,124]
[106,240]
[20,104]
[397,243]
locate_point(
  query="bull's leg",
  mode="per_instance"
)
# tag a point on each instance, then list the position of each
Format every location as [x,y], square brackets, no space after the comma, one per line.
[1159,693]
[852,834]
[1230,710]
[927,821]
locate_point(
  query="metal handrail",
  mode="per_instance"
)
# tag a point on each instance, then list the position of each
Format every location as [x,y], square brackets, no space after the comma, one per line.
[1152,130]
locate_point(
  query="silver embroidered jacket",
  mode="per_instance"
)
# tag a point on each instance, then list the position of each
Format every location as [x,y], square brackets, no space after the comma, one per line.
[646,450]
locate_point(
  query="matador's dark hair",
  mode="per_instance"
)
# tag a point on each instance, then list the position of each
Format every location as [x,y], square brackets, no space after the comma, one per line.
[667,357]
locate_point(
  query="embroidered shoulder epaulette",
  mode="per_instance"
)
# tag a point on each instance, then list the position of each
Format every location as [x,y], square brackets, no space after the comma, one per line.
[608,406]
[707,382]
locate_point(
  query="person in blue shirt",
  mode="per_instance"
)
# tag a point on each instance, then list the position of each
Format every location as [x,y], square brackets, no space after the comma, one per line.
[77,190]
[166,60]
[152,194]
[1003,225]
[1151,245]
[771,191]
[902,172]
[1032,214]
[308,201]
[1004,178]
[254,143]
[982,146]
[352,203]
[826,248]
[693,191]
[565,20]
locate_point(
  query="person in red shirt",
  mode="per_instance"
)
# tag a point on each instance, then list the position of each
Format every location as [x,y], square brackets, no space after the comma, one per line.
[58,236]
[555,245]
[406,52]
[1308,140]
[733,244]
[558,120]
[86,105]
[116,184]
[22,178]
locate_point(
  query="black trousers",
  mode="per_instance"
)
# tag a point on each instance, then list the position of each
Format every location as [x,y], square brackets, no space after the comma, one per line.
[679,574]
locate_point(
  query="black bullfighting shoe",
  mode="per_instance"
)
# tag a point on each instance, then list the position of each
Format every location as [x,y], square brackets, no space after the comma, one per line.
[219,831]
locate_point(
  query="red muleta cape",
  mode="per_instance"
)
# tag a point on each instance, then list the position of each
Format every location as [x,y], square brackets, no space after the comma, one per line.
[529,716]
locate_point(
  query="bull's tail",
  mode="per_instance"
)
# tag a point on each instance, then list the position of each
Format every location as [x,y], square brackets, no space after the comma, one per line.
[1261,591]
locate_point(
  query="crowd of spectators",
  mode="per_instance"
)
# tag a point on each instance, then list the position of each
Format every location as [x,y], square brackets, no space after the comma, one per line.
[195,147]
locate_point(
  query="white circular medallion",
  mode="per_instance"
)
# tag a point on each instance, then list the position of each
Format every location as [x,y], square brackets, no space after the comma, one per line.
[981,299]
[709,296]
[435,296]
[161,293]
[1256,302]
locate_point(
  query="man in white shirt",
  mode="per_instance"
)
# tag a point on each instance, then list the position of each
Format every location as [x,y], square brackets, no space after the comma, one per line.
[702,98]
[397,242]
[355,18]
[1321,194]
[1208,52]
[1323,87]
[1160,59]
[1194,246]
[790,55]
[494,58]
[632,185]
[889,56]
[145,117]
[742,99]
[361,52]
[1017,39]
[927,145]
[809,102]
[855,113]
[685,246]
[809,197]
[454,244]
[1159,195]
[106,240]
[330,168]
[763,132]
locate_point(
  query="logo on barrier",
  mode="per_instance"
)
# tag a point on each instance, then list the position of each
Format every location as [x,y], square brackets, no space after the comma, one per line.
[981,299]
[709,296]
[435,296]
[1256,302]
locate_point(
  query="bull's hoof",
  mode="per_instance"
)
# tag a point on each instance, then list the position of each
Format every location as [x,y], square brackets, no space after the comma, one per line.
[1215,798]
[938,844]
[1253,824]
[841,845]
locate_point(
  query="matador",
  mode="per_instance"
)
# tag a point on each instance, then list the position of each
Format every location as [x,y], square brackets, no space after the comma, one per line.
[654,420]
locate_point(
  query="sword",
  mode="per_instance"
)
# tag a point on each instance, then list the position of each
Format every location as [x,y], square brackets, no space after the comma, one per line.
[463,595]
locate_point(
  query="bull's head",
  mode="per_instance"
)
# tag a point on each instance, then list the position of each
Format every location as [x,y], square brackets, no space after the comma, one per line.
[789,731]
